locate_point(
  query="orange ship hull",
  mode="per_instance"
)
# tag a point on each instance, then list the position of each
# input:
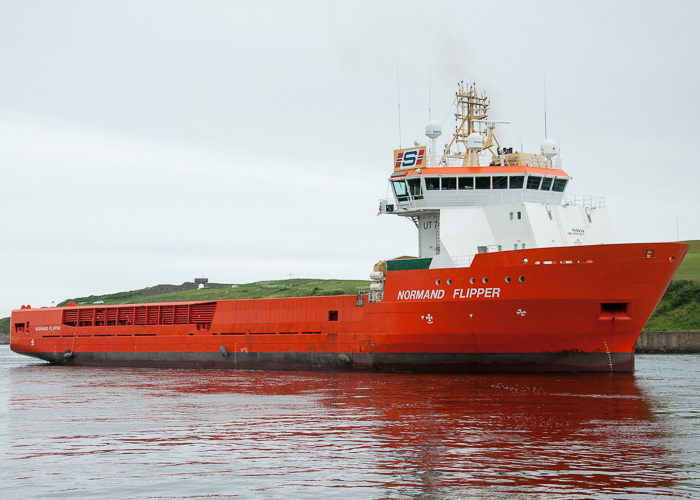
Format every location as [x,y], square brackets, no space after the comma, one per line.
[576,308]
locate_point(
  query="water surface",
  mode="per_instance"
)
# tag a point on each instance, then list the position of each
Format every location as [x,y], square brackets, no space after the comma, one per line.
[154,433]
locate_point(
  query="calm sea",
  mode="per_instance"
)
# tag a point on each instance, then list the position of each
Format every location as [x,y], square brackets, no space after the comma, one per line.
[146,433]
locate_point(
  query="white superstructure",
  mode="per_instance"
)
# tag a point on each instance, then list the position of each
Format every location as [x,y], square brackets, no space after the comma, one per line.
[482,198]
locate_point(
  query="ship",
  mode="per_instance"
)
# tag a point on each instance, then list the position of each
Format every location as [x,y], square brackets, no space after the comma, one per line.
[513,273]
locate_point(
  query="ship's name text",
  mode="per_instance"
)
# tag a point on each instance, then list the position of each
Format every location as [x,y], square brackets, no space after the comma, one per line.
[47,328]
[487,293]
[469,293]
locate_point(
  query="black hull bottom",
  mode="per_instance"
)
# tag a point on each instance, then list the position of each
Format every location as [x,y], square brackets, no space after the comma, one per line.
[375,362]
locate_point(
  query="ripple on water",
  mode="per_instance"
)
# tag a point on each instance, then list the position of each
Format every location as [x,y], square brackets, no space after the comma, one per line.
[140,433]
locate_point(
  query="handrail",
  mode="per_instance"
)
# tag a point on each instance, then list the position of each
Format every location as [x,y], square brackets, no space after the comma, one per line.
[486,159]
[463,260]
[470,198]
[583,200]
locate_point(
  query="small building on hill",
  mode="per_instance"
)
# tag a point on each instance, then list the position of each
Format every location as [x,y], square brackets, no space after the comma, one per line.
[187,285]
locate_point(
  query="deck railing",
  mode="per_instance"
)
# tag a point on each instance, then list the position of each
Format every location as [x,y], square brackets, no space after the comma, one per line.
[512,159]
[583,200]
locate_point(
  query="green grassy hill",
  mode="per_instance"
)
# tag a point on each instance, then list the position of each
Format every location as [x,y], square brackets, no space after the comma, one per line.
[256,290]
[5,330]
[690,267]
[679,309]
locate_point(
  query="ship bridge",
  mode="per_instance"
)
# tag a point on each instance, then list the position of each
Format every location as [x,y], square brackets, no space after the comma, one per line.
[438,187]
[479,197]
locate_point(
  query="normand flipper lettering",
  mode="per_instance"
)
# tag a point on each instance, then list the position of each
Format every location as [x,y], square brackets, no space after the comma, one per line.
[420,294]
[459,293]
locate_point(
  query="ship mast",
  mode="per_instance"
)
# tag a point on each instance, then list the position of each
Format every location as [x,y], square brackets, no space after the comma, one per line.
[472,111]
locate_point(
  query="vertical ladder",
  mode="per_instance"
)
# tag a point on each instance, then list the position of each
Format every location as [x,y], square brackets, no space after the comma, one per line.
[437,236]
[561,228]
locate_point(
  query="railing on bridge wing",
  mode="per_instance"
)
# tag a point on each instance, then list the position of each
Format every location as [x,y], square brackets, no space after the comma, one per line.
[474,198]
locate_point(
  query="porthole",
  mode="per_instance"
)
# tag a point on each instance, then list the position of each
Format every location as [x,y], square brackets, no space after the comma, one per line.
[525,260]
[485,280]
[472,280]
[672,258]
[507,279]
[437,282]
[521,279]
[449,281]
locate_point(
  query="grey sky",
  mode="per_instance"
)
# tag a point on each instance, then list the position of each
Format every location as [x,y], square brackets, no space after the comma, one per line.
[154,142]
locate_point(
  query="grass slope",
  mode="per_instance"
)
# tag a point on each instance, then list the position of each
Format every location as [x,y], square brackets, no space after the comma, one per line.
[4,327]
[256,290]
[690,267]
[679,308]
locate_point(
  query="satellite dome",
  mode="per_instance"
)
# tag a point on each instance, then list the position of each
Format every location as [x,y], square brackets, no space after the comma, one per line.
[433,130]
[475,141]
[548,148]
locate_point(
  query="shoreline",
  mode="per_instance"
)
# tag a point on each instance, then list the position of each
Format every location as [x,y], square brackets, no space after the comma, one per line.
[683,342]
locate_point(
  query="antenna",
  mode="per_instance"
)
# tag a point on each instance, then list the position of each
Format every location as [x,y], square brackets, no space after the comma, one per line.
[545,104]
[430,94]
[398,94]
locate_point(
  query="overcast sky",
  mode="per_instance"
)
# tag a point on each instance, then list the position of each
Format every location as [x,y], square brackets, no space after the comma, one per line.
[146,142]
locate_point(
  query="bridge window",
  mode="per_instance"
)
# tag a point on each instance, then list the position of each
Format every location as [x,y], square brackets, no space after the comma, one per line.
[517,181]
[466,183]
[432,183]
[500,182]
[414,188]
[400,190]
[483,183]
[449,183]
[533,182]
[546,184]
[559,185]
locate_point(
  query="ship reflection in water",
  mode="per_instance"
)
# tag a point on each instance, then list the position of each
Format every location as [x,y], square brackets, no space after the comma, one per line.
[133,433]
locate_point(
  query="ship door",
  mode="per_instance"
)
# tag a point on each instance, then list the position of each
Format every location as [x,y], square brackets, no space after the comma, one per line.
[333,321]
